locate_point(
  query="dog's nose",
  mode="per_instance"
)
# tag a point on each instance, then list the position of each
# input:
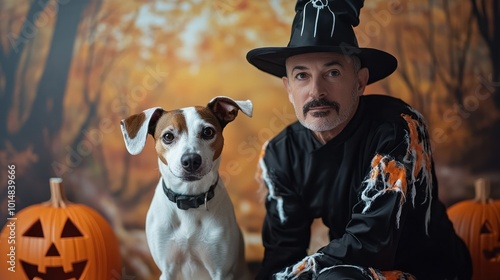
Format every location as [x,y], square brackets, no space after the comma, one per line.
[191,162]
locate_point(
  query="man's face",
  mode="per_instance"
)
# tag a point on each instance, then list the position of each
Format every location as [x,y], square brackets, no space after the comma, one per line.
[324,89]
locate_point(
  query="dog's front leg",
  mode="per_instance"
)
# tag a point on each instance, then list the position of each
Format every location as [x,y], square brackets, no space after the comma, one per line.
[219,275]
[169,272]
[220,268]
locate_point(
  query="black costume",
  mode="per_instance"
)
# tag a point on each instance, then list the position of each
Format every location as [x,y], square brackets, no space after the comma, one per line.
[375,188]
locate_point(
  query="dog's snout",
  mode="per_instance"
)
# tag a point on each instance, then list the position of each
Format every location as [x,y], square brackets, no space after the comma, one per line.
[191,162]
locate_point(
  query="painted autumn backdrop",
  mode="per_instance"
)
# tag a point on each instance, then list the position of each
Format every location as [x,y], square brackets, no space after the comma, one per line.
[71,70]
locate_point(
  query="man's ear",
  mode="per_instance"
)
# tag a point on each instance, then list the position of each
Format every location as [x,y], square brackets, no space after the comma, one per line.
[135,128]
[226,109]
[363,75]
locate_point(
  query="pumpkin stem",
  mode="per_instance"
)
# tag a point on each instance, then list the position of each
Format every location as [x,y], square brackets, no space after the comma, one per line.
[57,197]
[482,187]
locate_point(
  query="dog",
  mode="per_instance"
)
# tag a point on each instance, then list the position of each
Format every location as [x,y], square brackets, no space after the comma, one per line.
[191,228]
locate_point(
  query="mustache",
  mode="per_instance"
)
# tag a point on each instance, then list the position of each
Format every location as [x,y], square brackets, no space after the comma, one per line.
[320,103]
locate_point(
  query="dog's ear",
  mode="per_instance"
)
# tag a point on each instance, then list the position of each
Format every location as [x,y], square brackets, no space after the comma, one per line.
[226,109]
[135,128]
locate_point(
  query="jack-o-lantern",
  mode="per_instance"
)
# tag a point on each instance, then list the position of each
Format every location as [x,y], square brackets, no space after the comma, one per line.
[477,222]
[59,240]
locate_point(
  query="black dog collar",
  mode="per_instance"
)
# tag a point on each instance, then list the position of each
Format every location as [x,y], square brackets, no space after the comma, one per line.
[186,202]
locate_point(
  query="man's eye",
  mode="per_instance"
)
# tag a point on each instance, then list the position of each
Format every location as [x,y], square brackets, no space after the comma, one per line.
[334,73]
[168,138]
[208,133]
[300,76]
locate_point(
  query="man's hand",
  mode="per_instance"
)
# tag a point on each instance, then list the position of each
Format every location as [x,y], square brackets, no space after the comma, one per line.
[306,269]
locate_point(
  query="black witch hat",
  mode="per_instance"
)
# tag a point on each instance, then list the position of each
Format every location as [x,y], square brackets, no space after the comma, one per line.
[324,26]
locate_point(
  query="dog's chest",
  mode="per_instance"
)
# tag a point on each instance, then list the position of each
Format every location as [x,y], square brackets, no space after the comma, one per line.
[191,234]
[192,225]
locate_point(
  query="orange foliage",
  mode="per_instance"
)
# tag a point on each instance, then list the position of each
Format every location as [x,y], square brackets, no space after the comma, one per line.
[133,55]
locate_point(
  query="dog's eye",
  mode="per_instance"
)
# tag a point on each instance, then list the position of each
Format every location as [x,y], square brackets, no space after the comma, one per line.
[208,133]
[168,138]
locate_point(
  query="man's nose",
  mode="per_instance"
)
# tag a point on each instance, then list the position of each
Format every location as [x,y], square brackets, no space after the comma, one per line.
[318,88]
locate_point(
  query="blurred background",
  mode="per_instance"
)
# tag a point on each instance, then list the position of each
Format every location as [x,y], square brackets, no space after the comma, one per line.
[71,70]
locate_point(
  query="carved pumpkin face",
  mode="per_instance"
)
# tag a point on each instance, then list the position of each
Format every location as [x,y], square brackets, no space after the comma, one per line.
[477,222]
[58,243]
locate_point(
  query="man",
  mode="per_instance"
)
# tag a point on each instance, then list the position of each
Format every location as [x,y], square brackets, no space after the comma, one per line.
[362,164]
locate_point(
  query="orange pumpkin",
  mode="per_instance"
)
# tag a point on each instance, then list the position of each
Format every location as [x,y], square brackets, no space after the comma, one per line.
[477,222]
[59,240]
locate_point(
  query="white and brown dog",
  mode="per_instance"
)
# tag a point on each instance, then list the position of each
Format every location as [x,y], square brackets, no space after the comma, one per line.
[191,227]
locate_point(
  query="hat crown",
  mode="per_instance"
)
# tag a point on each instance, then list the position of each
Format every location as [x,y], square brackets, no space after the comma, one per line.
[348,10]
[325,23]
[324,26]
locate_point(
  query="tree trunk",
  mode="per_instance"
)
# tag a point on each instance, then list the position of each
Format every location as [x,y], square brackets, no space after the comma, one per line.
[45,119]
[10,63]
[487,14]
